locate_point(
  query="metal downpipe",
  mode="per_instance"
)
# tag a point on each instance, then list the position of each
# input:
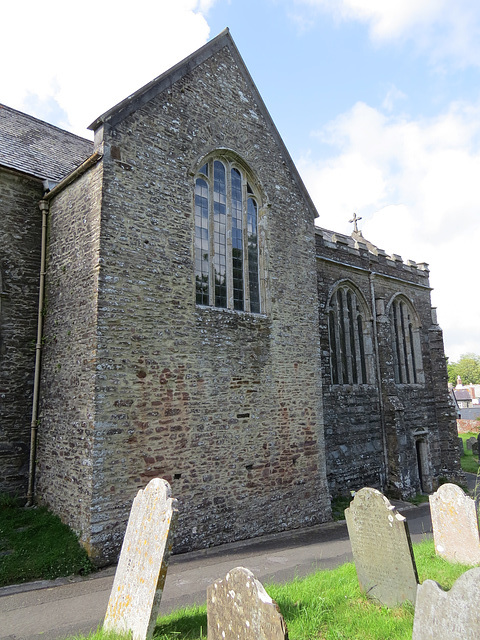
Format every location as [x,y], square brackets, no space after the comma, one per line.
[43,204]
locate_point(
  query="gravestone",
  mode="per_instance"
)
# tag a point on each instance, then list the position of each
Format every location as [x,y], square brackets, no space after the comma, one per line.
[460,446]
[382,549]
[239,608]
[475,448]
[470,442]
[449,615]
[455,525]
[142,567]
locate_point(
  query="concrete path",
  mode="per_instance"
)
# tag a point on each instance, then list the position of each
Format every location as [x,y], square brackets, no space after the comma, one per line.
[57,609]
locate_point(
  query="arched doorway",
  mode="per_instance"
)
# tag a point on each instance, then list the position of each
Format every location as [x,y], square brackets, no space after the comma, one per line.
[422,464]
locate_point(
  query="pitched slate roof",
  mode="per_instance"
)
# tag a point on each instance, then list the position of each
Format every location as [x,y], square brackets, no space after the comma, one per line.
[472,413]
[38,148]
[462,394]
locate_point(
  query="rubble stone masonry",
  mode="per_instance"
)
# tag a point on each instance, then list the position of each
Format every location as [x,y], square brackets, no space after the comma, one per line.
[384,434]
[19,275]
[225,405]
[67,391]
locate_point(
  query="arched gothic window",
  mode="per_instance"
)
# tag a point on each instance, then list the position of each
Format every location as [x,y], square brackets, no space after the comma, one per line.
[351,348]
[407,359]
[226,238]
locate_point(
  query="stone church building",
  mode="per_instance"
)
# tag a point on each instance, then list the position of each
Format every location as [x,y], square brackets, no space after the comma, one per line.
[169,308]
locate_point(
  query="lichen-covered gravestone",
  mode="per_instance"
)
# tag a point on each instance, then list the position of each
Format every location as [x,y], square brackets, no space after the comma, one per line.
[239,608]
[142,567]
[382,549]
[455,525]
[449,615]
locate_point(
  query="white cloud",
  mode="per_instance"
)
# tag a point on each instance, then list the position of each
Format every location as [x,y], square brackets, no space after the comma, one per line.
[393,96]
[444,29]
[76,61]
[415,183]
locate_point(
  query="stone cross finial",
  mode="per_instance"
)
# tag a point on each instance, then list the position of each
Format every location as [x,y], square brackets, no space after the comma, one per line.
[355,219]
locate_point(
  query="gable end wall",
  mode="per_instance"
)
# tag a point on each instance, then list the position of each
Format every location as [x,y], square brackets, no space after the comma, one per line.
[225,405]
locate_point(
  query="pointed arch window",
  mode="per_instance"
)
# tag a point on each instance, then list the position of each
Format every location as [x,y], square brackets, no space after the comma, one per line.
[226,237]
[405,328]
[351,347]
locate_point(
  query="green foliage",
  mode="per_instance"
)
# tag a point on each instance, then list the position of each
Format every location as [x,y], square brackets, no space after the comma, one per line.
[327,605]
[35,544]
[468,368]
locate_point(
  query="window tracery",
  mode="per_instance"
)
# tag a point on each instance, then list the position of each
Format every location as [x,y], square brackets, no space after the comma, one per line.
[226,237]
[349,337]
[405,328]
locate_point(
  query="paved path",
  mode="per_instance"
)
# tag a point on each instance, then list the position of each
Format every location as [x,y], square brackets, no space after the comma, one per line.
[57,609]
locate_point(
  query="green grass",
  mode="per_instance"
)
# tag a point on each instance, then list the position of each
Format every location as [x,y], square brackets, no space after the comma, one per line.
[327,605]
[34,544]
[468,461]
[418,498]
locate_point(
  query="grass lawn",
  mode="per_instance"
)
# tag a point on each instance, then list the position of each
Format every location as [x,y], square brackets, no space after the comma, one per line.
[468,461]
[34,545]
[326,605]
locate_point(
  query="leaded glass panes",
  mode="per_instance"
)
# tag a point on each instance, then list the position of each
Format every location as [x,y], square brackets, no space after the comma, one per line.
[220,234]
[201,242]
[252,216]
[405,343]
[226,238]
[237,239]
[350,360]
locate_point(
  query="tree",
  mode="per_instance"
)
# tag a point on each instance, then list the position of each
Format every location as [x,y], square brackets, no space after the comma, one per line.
[468,368]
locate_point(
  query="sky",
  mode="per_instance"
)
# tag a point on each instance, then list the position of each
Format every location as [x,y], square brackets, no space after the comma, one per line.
[377,101]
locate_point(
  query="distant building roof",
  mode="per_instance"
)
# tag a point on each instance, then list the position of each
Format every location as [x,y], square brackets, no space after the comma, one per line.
[38,148]
[462,394]
[472,413]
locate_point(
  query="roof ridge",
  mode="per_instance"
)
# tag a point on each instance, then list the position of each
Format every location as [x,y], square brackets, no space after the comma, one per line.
[43,122]
[166,80]
[123,108]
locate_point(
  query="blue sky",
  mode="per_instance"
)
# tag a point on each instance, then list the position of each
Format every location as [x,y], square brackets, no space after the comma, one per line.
[377,101]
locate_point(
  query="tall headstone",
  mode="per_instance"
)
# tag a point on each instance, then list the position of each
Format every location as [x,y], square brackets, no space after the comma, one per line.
[455,525]
[470,442]
[142,567]
[239,608]
[449,615]
[382,549]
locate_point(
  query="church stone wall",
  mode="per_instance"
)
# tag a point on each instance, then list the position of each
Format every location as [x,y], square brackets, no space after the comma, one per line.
[352,416]
[67,391]
[229,407]
[225,405]
[397,437]
[21,222]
